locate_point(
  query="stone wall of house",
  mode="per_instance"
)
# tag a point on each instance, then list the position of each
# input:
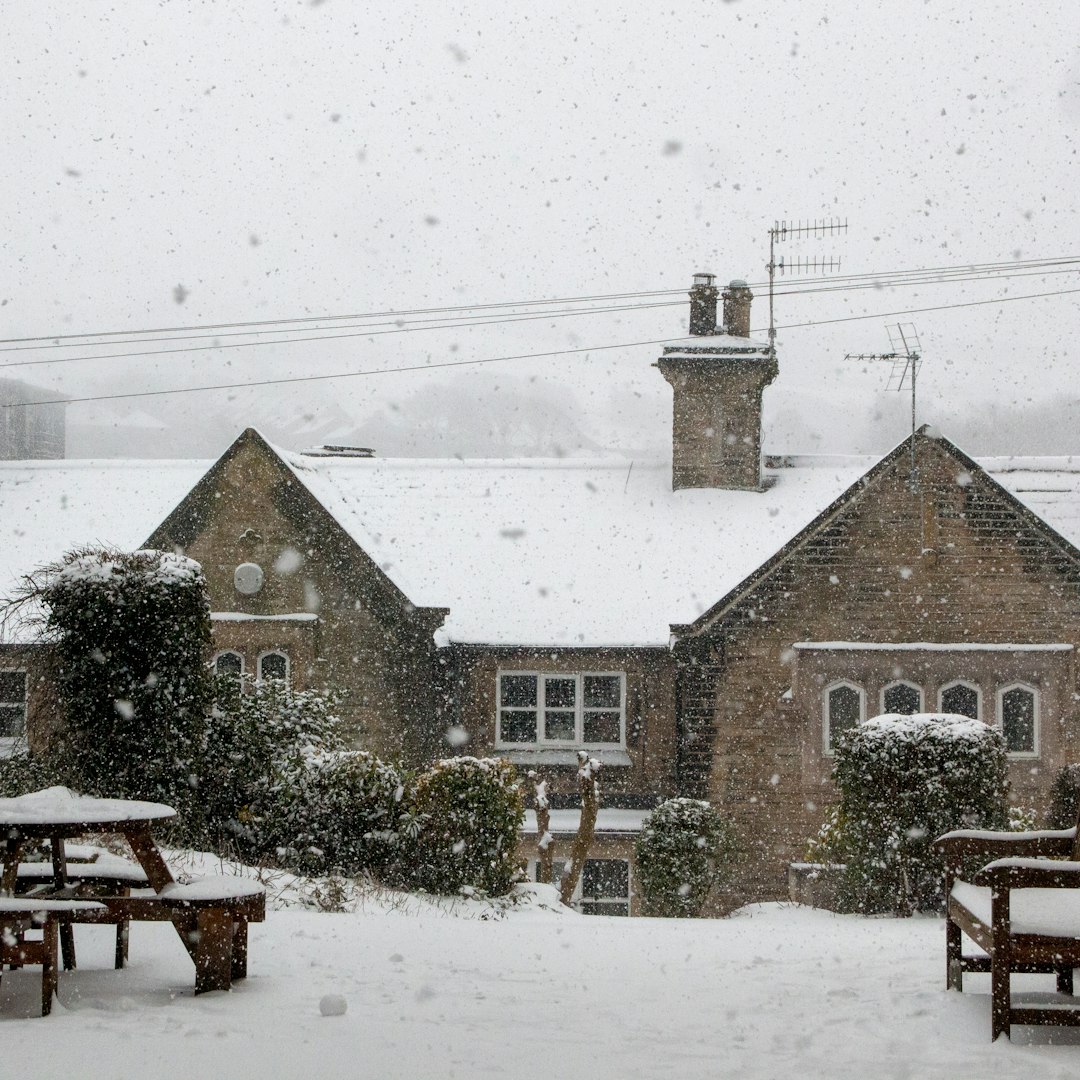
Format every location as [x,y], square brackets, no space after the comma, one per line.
[363,641]
[952,562]
[469,688]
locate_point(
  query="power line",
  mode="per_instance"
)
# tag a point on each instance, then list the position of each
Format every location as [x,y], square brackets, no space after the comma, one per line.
[286,380]
[466,322]
[881,276]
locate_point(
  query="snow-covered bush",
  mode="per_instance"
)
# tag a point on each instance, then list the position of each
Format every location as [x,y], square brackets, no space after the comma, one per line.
[341,811]
[469,812]
[21,773]
[254,730]
[130,633]
[683,852]
[904,780]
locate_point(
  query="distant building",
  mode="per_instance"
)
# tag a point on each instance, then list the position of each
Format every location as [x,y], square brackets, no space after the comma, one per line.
[28,430]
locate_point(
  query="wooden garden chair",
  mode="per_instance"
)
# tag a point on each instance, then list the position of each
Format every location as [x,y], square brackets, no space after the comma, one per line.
[1022,909]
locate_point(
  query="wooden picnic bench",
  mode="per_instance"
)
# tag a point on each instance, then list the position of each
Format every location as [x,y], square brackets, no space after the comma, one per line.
[211,915]
[20,915]
[1022,909]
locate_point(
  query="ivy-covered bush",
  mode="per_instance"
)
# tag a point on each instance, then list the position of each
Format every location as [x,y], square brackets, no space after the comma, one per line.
[1065,798]
[684,851]
[131,632]
[904,780]
[469,812]
[341,811]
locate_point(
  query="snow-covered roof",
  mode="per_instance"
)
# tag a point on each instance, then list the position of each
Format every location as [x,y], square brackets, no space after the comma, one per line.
[522,552]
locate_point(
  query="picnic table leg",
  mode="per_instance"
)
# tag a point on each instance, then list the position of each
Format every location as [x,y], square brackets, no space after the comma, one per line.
[12,853]
[67,932]
[145,850]
[213,952]
[48,963]
[239,949]
[1065,980]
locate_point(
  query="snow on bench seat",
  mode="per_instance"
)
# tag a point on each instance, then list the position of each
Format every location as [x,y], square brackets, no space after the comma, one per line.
[1052,912]
[18,905]
[210,889]
[106,869]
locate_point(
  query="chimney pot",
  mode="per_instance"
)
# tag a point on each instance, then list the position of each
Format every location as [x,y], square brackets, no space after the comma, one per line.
[703,297]
[737,297]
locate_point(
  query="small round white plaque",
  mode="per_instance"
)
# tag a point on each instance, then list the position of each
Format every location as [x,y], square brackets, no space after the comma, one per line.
[248,578]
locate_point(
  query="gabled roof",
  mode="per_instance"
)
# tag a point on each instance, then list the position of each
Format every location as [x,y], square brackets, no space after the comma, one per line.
[522,552]
[341,548]
[1022,471]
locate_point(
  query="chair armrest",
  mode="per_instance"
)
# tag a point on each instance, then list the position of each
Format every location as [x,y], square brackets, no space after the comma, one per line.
[964,843]
[1029,874]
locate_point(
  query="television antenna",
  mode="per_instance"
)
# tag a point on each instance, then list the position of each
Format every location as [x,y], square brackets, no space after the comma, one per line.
[790,230]
[905,360]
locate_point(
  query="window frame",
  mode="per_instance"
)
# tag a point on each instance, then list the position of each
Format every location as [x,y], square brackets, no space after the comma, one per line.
[228,652]
[911,685]
[9,742]
[578,900]
[542,743]
[287,680]
[979,707]
[1035,718]
[826,718]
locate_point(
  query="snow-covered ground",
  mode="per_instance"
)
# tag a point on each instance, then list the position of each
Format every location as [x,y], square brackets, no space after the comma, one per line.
[533,991]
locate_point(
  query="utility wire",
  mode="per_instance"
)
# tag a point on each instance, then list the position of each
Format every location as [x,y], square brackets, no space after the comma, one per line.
[968,268]
[498,359]
[465,322]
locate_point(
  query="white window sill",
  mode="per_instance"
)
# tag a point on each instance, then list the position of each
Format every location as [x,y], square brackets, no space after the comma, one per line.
[543,756]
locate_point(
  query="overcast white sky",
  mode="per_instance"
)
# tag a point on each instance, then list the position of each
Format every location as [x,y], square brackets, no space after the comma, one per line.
[287,159]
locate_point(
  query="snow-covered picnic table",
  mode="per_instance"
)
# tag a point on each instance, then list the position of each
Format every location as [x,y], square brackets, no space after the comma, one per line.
[210,915]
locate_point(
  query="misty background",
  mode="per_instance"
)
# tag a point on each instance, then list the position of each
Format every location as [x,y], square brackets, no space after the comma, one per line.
[192,164]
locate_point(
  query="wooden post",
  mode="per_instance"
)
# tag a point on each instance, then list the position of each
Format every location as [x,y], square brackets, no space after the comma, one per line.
[589,783]
[1000,964]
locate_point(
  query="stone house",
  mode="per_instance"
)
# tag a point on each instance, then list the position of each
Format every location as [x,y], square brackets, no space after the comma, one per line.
[704,627]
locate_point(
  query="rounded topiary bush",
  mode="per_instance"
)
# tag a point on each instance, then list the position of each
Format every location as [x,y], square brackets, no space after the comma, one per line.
[683,852]
[469,812]
[342,811]
[903,781]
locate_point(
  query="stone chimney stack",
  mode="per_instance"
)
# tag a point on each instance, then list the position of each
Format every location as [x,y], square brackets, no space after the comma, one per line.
[737,297]
[703,305]
[718,376]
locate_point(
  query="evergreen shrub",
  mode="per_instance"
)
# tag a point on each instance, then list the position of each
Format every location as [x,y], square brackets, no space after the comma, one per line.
[469,811]
[903,781]
[683,852]
[336,811]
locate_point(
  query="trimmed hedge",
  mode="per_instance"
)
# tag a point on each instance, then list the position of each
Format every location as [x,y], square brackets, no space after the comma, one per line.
[903,781]
[683,852]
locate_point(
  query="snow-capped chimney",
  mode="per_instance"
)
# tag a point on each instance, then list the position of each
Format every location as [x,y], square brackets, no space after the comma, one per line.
[718,376]
[703,305]
[737,297]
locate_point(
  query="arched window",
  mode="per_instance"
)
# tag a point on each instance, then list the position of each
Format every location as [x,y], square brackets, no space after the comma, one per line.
[901,697]
[274,665]
[960,698]
[843,708]
[229,663]
[1018,714]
